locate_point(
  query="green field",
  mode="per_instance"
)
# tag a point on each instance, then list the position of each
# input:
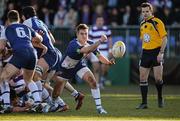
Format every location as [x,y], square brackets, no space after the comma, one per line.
[119,101]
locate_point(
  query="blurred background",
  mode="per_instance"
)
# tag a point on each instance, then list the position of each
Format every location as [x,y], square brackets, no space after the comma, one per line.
[122,17]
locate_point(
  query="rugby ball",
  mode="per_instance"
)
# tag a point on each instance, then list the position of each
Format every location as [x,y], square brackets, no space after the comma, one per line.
[118,49]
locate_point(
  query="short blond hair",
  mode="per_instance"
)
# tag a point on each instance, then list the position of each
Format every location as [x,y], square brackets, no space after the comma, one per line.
[80,27]
[146,4]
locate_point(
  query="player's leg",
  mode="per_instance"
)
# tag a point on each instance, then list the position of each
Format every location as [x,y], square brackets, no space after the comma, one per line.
[48,87]
[85,74]
[95,68]
[58,104]
[8,71]
[41,68]
[144,73]
[28,76]
[77,95]
[158,74]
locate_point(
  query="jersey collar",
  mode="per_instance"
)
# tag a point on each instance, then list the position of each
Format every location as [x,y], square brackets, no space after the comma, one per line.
[150,17]
[80,43]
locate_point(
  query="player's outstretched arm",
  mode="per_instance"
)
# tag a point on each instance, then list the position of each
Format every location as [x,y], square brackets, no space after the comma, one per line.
[92,47]
[104,60]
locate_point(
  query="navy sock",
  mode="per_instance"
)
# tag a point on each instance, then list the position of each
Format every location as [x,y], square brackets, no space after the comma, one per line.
[144,91]
[159,86]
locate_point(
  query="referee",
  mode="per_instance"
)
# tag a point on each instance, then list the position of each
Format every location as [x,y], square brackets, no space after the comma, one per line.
[154,40]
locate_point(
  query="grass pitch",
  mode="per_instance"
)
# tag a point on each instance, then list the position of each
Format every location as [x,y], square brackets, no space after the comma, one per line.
[119,101]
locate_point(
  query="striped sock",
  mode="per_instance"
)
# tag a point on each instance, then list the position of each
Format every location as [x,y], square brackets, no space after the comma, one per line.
[96,95]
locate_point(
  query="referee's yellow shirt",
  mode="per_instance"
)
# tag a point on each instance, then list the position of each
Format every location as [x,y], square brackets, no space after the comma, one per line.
[151,33]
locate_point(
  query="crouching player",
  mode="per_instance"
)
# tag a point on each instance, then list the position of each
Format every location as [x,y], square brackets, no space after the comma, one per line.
[72,63]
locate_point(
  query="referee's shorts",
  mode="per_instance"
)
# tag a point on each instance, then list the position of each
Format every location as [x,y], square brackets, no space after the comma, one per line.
[149,58]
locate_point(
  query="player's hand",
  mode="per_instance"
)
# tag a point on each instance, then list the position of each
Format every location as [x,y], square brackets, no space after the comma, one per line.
[103,38]
[45,49]
[40,32]
[160,57]
[112,61]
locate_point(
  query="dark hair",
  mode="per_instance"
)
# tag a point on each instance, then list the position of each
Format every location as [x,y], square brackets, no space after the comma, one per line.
[28,12]
[99,16]
[13,16]
[146,4]
[81,26]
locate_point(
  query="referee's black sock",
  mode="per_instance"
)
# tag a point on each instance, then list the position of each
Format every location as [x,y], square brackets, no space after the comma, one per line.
[159,86]
[144,91]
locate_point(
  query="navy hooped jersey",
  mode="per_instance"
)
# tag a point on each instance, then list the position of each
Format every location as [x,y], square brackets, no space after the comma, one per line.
[19,36]
[38,25]
[72,56]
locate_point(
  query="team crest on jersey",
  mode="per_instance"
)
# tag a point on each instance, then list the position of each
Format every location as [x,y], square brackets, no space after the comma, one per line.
[146,37]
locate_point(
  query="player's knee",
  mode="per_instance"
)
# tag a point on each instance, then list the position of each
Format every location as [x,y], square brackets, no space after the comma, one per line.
[143,77]
[92,82]
[158,79]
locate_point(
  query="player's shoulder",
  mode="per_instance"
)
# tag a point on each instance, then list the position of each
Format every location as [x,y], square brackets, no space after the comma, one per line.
[142,22]
[28,21]
[73,42]
[157,20]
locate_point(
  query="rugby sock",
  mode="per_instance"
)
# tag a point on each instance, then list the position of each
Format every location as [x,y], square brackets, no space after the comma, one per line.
[59,101]
[35,92]
[45,96]
[144,91]
[75,93]
[159,86]
[39,85]
[5,93]
[96,95]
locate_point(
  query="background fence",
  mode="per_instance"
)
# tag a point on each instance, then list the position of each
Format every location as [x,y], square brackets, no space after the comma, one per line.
[128,34]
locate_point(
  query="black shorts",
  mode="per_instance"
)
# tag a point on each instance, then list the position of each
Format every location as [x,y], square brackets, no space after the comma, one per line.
[149,58]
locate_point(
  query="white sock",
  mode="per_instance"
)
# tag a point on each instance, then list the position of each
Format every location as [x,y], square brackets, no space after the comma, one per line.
[96,95]
[39,85]
[59,101]
[5,94]
[45,96]
[34,91]
[75,93]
